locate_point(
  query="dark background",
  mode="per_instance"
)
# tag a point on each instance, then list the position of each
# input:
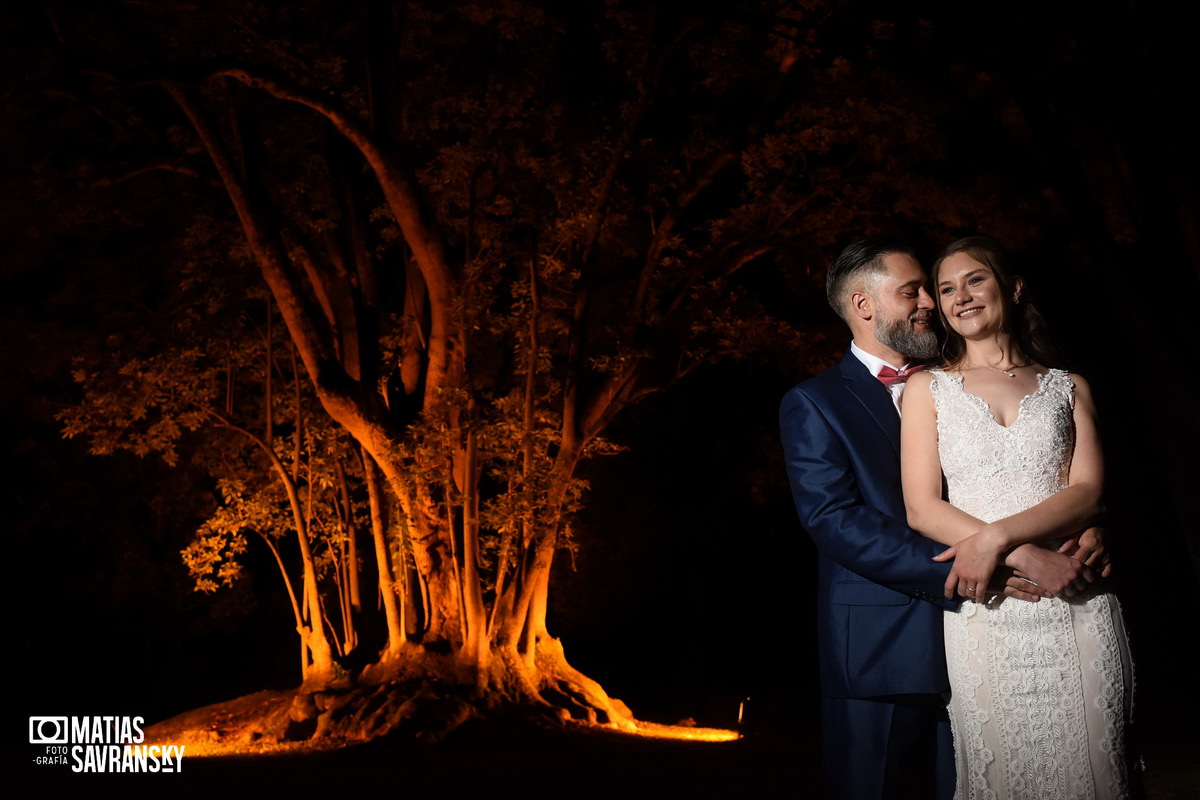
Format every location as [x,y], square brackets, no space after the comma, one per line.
[692,587]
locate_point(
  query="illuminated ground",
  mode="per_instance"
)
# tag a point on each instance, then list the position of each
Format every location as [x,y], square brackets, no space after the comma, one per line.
[494,760]
[514,760]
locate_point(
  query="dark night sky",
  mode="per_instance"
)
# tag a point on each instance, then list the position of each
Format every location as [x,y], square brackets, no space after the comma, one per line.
[693,583]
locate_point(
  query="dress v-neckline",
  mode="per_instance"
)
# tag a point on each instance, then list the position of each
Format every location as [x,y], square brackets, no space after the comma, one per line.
[986,407]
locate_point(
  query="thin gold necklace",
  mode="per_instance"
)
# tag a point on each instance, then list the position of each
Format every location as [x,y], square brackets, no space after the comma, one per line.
[1013,368]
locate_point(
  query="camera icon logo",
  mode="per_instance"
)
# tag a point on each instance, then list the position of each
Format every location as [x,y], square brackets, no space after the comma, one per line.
[48,730]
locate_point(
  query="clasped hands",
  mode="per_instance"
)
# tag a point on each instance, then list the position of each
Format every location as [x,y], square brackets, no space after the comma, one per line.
[985,566]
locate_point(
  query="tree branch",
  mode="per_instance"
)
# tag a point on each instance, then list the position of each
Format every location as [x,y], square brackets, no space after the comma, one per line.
[445,351]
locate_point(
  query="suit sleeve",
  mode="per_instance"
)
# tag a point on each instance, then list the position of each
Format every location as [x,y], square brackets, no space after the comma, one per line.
[831,506]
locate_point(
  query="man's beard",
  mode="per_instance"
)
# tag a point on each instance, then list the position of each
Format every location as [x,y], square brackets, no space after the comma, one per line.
[906,340]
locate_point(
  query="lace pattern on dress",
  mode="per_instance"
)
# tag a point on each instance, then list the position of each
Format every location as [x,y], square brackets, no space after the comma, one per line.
[1039,690]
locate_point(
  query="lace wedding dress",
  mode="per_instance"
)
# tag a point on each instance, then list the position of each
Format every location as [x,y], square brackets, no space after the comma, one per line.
[1040,692]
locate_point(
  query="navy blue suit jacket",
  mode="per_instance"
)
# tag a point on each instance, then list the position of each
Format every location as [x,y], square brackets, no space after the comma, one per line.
[880,598]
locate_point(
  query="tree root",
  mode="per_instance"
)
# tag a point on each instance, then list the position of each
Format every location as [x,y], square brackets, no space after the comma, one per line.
[423,695]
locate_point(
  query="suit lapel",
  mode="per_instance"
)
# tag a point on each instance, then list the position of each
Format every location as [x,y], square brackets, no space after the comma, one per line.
[875,399]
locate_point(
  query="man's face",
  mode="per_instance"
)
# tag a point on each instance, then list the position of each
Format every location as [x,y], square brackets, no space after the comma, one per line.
[904,309]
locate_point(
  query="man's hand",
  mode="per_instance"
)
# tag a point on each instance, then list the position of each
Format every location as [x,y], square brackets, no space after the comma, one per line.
[1057,573]
[1010,583]
[1088,547]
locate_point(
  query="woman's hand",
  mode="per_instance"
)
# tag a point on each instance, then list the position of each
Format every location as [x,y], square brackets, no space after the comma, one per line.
[975,559]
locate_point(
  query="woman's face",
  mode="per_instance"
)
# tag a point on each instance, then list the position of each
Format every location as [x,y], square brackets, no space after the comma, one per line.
[969,297]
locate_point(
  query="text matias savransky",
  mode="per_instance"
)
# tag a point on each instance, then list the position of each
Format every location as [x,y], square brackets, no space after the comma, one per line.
[101,744]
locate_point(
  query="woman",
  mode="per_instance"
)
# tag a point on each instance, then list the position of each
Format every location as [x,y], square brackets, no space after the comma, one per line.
[1039,690]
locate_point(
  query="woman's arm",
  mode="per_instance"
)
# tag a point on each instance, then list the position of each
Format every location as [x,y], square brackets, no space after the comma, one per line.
[1066,512]
[1077,506]
[977,548]
[921,469]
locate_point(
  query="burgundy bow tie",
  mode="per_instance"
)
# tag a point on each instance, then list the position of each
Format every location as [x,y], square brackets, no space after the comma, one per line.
[887,376]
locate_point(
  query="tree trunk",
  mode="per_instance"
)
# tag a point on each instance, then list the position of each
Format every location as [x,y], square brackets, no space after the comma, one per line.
[393,608]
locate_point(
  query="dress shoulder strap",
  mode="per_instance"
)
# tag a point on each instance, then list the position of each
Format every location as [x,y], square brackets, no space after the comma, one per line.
[1058,382]
[941,386]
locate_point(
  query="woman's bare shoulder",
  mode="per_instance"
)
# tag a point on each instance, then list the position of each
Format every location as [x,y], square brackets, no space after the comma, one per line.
[921,378]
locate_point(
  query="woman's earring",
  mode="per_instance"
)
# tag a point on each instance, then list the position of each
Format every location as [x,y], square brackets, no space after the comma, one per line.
[1016,299]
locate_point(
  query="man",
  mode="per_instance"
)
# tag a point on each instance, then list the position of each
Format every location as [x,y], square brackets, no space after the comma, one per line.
[880,593]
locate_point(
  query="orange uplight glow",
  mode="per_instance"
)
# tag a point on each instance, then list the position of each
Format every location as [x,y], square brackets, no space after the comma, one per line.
[197,747]
[247,750]
[657,731]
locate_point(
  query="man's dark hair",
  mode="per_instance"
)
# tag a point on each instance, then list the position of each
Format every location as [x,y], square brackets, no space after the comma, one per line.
[859,260]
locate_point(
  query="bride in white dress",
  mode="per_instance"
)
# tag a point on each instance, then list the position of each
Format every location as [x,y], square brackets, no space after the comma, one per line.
[1040,691]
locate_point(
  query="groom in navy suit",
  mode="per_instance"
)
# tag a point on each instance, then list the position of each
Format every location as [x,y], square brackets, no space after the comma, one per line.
[880,594]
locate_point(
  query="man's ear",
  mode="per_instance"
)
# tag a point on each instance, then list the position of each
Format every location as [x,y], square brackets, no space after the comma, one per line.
[862,305]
